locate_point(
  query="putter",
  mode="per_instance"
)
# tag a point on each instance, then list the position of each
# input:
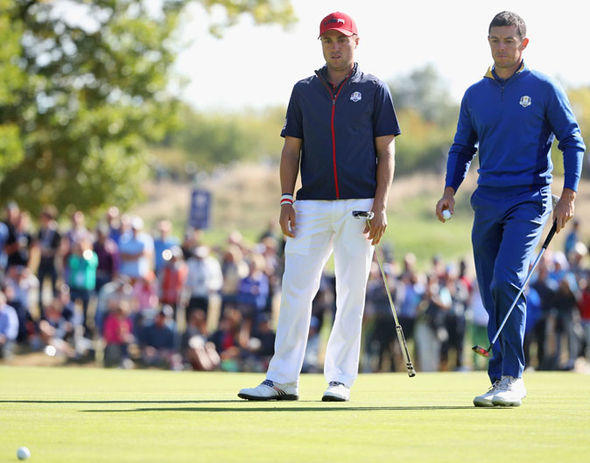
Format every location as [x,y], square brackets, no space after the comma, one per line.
[486,352]
[368,215]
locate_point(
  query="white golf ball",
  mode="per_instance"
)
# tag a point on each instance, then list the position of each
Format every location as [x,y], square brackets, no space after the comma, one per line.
[23,453]
[50,351]
[446,214]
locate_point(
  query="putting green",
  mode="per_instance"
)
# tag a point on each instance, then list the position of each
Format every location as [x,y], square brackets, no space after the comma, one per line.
[87,415]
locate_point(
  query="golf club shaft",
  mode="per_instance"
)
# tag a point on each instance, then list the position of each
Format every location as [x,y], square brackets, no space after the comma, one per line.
[398,328]
[528,277]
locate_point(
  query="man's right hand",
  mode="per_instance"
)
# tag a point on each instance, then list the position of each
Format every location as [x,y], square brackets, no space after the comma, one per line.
[447,202]
[287,220]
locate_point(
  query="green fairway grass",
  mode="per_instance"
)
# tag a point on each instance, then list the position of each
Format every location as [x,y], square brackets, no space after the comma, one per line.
[87,415]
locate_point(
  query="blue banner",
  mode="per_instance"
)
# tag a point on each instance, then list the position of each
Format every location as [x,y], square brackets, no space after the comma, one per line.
[200,211]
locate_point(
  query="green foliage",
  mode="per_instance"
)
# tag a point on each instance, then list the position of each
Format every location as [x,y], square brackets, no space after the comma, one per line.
[423,145]
[262,12]
[11,78]
[424,91]
[427,116]
[94,92]
[11,150]
[83,90]
[211,139]
[580,101]
[426,112]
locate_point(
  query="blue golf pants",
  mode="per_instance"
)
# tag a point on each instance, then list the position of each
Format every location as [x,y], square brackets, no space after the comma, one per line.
[507,226]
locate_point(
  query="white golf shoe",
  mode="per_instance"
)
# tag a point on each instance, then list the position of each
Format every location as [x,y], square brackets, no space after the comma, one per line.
[269,390]
[510,393]
[485,399]
[336,392]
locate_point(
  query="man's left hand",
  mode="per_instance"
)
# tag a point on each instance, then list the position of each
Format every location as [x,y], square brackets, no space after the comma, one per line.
[564,209]
[376,228]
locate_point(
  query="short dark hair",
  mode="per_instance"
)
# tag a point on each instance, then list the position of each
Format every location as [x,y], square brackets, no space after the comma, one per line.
[508,18]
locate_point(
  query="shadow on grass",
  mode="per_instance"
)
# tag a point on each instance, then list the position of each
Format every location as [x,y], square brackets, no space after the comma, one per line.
[117,401]
[282,408]
[244,406]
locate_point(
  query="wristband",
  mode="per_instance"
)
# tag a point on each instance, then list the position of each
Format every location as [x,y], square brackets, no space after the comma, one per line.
[286,199]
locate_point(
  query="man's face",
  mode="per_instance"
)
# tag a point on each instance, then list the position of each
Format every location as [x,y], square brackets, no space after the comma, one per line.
[506,46]
[338,50]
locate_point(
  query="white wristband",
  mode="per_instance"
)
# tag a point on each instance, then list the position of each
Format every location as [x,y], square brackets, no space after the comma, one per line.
[286,198]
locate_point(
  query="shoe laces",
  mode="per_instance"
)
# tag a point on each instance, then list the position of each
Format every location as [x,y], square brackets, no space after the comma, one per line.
[505,383]
[335,383]
[268,382]
[509,381]
[497,386]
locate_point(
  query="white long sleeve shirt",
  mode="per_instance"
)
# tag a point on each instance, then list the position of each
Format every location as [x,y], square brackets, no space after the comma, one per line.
[204,276]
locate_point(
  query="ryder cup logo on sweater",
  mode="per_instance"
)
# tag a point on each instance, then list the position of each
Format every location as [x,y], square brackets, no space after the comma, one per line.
[525,101]
[356,96]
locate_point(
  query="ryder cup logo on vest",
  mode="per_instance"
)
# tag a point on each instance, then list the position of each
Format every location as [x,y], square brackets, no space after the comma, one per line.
[525,101]
[356,96]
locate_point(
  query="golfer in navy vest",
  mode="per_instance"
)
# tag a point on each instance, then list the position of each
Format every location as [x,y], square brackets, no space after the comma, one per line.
[339,134]
[511,117]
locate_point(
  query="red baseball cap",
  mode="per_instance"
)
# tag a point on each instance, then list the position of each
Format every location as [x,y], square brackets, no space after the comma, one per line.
[340,22]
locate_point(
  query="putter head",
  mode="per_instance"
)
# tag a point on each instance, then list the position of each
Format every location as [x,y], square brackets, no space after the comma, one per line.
[367,215]
[481,351]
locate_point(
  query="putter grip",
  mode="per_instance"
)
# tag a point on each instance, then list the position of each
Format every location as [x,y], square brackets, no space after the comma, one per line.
[550,235]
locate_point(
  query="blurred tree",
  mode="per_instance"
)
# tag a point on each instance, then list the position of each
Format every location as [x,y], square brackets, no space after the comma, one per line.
[423,145]
[261,11]
[424,91]
[83,87]
[426,111]
[12,78]
[212,139]
[580,101]
[428,117]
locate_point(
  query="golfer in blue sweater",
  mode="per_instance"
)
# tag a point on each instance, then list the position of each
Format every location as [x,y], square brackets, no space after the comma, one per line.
[511,118]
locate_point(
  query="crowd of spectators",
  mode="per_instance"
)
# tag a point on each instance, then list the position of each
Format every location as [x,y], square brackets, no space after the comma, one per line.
[122,296]
[442,313]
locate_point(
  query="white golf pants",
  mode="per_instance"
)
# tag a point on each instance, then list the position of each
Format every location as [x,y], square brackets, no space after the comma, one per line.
[323,227]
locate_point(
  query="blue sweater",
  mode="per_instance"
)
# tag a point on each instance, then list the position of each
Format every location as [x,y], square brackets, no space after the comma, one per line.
[338,127]
[513,123]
